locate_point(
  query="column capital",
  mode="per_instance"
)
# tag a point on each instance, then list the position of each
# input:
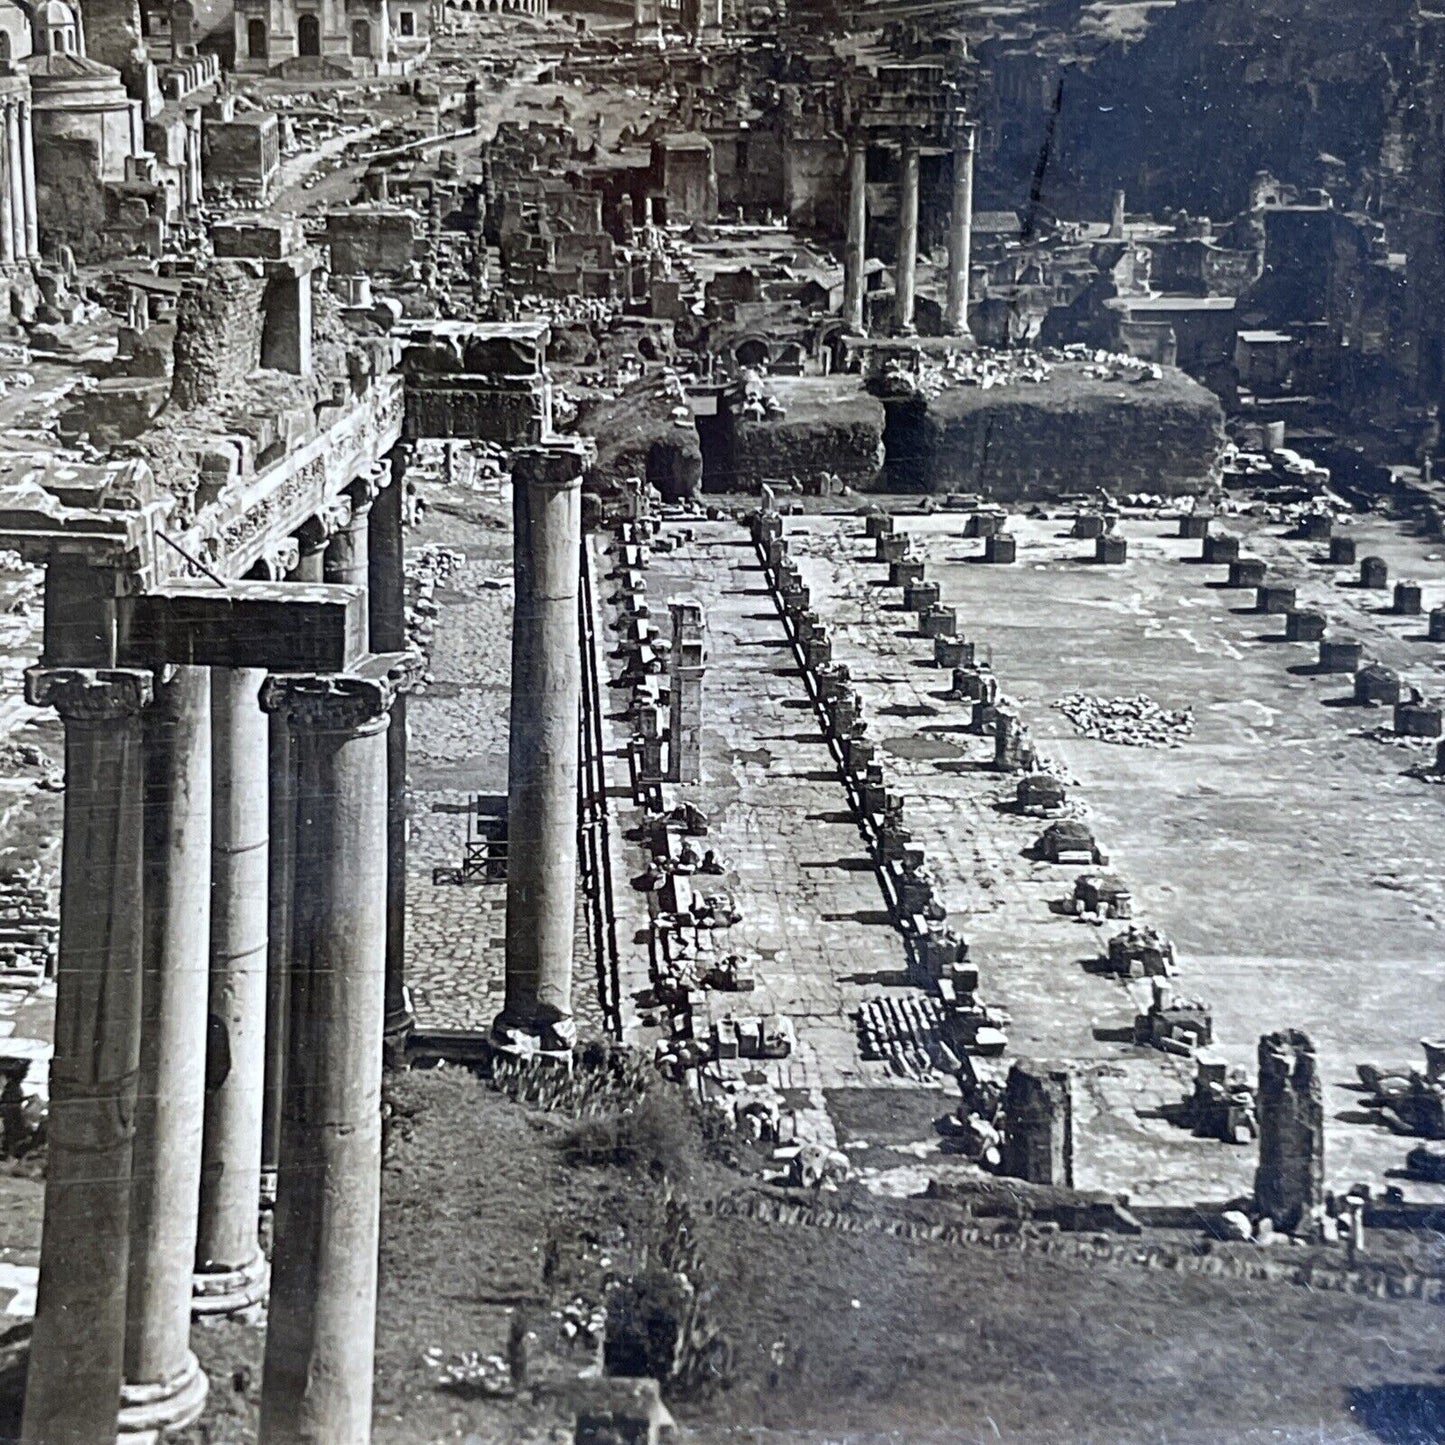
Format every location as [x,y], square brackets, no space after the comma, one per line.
[358,701]
[319,528]
[90,694]
[281,559]
[559,463]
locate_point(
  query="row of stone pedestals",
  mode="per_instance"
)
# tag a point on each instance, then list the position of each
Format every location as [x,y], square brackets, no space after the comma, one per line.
[940,960]
[1374,684]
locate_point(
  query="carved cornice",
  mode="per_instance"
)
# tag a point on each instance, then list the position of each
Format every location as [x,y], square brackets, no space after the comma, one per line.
[89,694]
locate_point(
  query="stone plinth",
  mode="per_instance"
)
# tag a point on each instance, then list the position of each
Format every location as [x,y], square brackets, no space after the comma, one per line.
[1342,551]
[1304,626]
[1247,572]
[1374,575]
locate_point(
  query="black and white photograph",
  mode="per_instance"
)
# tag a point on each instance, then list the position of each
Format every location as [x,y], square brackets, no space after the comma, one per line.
[722,722]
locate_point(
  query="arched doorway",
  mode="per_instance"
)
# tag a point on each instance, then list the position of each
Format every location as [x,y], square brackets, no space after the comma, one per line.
[361,38]
[308,35]
[256,48]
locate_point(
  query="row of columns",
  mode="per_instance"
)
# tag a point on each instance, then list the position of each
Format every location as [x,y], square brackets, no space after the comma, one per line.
[905,284]
[225,975]
[19,223]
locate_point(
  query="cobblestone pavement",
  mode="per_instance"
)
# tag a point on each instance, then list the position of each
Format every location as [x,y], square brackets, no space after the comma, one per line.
[1286,854]
[457,750]
[813,914]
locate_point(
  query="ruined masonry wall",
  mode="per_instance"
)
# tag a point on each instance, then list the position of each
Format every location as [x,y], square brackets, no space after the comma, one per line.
[218,334]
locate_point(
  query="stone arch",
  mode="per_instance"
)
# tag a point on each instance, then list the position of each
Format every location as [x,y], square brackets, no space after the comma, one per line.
[753,351]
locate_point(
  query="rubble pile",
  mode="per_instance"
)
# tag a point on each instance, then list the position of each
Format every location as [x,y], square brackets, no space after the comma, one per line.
[1132,722]
[902,1032]
[432,565]
[29,924]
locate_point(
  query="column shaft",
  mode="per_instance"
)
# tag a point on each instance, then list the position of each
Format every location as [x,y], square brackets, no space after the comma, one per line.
[27,156]
[17,176]
[281,869]
[312,566]
[907,267]
[855,249]
[346,553]
[230,1270]
[960,234]
[164,1385]
[7,192]
[542,767]
[320,1340]
[386,602]
[77,1349]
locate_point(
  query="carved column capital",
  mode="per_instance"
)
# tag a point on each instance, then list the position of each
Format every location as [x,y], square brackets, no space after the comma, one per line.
[89,694]
[357,702]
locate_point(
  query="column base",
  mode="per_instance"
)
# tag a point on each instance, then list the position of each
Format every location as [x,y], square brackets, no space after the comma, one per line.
[533,1038]
[396,1032]
[231,1291]
[150,1413]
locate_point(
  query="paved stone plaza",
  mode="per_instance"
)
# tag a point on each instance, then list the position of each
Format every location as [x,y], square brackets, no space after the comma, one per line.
[1286,854]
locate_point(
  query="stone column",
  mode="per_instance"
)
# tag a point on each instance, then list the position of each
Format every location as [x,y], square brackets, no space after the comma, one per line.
[960,232]
[1116,217]
[1290,1180]
[312,539]
[907,266]
[230,1268]
[855,250]
[27,155]
[281,877]
[542,753]
[386,613]
[7,193]
[164,1385]
[320,1339]
[77,1349]
[346,559]
[17,175]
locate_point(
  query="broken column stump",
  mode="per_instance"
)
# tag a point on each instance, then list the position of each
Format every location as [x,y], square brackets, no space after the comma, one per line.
[1247,572]
[1039,1142]
[1290,1180]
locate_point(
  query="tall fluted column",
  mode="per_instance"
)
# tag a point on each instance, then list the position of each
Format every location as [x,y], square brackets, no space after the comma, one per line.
[27,156]
[77,1350]
[855,249]
[320,1339]
[230,1268]
[386,602]
[907,267]
[164,1385]
[960,232]
[542,752]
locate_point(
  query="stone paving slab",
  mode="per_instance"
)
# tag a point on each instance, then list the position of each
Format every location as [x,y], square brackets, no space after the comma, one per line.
[814,915]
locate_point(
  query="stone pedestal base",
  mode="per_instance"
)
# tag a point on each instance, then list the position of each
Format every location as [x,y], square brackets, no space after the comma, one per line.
[150,1413]
[535,1040]
[230,1291]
